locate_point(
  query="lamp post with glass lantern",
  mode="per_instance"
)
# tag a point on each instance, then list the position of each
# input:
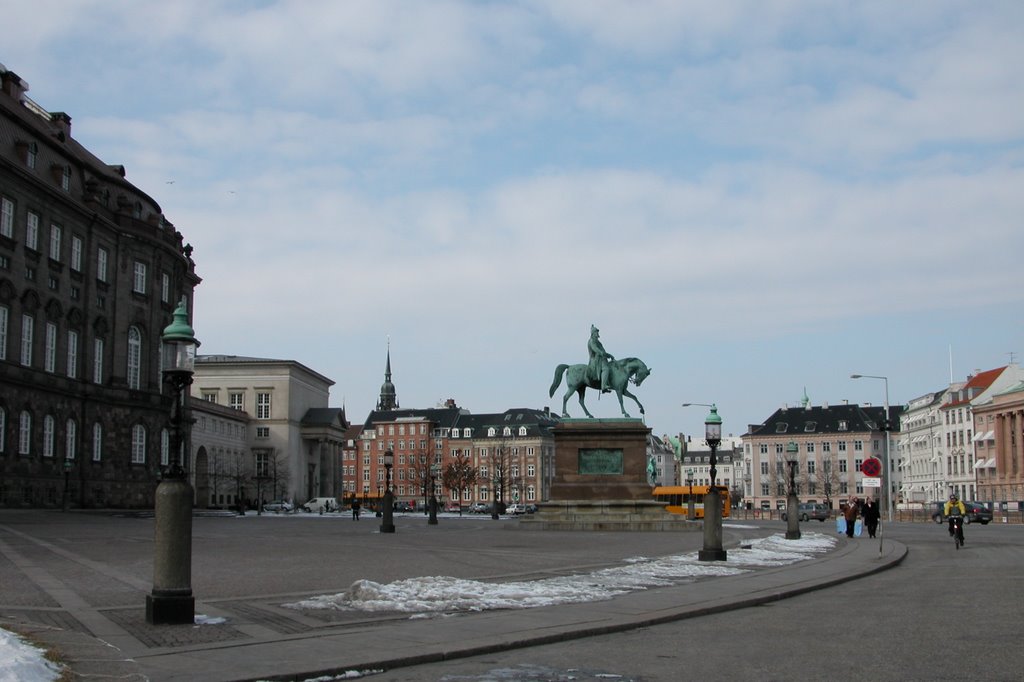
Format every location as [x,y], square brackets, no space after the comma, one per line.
[712,550]
[171,601]
[691,504]
[434,470]
[792,503]
[886,483]
[387,524]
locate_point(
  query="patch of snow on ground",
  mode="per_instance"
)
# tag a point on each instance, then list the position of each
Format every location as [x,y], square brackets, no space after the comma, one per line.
[22,662]
[439,594]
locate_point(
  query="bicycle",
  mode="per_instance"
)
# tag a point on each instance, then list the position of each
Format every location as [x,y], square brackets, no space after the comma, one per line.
[956,523]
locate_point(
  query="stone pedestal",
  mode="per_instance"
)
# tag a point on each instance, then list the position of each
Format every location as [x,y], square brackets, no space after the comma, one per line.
[600,459]
[171,601]
[600,480]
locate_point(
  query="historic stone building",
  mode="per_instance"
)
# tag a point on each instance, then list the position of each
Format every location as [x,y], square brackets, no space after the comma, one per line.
[294,439]
[832,442]
[90,272]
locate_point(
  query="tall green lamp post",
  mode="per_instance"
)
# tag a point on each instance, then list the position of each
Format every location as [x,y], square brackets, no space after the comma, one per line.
[171,601]
[712,550]
[691,505]
[792,502]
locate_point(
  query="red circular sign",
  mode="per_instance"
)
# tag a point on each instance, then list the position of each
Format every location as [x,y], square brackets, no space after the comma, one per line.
[872,467]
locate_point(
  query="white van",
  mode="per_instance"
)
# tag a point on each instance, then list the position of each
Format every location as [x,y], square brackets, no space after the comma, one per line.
[320,504]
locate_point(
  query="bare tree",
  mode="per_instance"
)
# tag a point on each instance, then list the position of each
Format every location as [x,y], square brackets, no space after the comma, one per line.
[499,472]
[460,475]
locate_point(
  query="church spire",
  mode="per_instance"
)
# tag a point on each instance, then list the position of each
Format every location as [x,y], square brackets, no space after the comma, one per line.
[388,395]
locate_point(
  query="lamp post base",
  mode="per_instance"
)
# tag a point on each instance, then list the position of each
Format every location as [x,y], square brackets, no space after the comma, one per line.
[712,550]
[712,555]
[170,609]
[387,524]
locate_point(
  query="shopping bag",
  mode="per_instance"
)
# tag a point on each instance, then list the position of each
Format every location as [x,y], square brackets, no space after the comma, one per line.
[841,525]
[858,528]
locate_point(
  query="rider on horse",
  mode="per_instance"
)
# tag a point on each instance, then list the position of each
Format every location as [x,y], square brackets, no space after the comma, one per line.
[599,359]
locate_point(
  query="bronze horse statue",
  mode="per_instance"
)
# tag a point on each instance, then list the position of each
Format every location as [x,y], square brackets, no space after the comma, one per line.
[578,380]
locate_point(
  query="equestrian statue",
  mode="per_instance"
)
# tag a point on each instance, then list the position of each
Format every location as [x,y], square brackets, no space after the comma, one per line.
[602,373]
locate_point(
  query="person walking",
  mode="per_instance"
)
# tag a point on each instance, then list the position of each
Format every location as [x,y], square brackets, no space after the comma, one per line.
[355,508]
[869,512]
[850,514]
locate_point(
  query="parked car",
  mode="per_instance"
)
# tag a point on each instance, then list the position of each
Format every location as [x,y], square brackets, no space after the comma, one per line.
[277,506]
[479,508]
[976,513]
[809,510]
[403,506]
[453,507]
[515,509]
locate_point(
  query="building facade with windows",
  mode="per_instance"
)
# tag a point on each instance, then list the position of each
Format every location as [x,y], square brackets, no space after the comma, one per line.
[295,440]
[832,443]
[90,273]
[695,464]
[999,460]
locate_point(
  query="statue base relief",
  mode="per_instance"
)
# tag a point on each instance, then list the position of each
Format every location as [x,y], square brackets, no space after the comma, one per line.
[600,481]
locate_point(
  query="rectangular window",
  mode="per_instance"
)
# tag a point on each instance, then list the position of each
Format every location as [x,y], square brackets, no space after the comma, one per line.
[72,368]
[842,446]
[165,287]
[65,179]
[27,330]
[97,361]
[50,355]
[236,401]
[842,466]
[263,406]
[263,432]
[764,468]
[55,241]
[32,231]
[826,446]
[76,253]
[6,217]
[764,448]
[139,278]
[138,444]
[102,257]
[858,445]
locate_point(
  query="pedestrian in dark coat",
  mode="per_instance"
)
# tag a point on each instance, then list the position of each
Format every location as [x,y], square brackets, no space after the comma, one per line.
[869,512]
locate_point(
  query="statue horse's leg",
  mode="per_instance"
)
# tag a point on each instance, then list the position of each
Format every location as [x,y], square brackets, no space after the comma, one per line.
[582,391]
[627,393]
[618,394]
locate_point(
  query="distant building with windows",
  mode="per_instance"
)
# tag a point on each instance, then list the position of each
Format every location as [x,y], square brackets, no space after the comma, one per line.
[832,442]
[295,440]
[90,273]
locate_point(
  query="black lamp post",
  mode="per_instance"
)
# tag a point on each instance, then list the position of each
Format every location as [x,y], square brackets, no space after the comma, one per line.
[792,502]
[712,550]
[691,505]
[67,474]
[387,524]
[434,469]
[171,601]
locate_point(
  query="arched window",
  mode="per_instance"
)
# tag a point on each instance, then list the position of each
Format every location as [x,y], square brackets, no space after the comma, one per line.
[97,442]
[70,439]
[506,431]
[25,433]
[522,430]
[134,357]
[138,444]
[48,428]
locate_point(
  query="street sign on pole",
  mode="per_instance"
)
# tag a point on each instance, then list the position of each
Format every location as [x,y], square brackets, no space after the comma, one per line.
[871,482]
[871,467]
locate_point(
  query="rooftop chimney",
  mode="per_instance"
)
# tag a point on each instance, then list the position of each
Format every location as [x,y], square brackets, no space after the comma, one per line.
[13,86]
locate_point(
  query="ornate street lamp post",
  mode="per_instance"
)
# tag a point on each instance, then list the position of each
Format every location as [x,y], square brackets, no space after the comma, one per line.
[387,524]
[792,503]
[713,500]
[171,601]
[434,470]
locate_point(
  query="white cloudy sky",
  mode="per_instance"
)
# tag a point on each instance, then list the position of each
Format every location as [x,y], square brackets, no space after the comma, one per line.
[753,197]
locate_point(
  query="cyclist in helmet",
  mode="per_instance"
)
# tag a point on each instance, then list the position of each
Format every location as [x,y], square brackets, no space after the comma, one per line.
[953,508]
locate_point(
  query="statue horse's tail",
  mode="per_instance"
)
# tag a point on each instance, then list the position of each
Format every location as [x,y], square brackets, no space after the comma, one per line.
[559,371]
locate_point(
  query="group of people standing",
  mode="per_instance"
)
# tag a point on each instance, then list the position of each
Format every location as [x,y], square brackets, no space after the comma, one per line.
[868,512]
